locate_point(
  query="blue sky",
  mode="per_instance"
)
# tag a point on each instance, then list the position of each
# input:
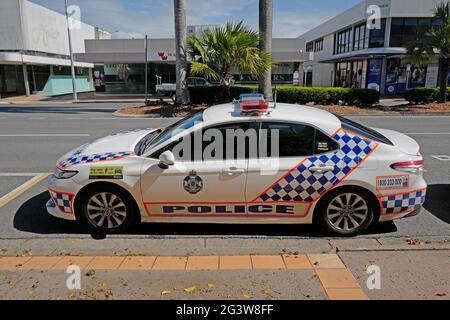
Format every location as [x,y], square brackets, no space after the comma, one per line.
[155,17]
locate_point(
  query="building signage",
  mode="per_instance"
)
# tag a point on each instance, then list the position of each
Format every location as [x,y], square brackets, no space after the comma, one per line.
[374,74]
[432,75]
[162,56]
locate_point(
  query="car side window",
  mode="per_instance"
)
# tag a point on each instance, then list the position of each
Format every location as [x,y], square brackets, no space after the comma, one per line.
[232,148]
[324,143]
[295,140]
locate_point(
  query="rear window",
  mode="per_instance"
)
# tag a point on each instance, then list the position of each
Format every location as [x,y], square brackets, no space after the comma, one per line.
[364,131]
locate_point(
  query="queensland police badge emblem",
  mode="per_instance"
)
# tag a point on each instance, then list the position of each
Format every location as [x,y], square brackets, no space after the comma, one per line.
[193,183]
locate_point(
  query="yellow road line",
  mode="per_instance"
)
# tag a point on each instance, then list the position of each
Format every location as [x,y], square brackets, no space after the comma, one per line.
[23,188]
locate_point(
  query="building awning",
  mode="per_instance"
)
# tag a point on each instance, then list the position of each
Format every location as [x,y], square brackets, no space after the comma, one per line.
[366,54]
[19,58]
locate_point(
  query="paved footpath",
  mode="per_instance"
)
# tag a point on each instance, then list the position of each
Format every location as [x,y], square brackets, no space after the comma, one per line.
[133,269]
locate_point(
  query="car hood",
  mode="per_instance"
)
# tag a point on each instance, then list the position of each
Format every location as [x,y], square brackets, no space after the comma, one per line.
[112,147]
[401,141]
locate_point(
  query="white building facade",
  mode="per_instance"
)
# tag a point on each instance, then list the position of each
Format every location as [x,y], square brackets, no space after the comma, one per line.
[34,50]
[349,52]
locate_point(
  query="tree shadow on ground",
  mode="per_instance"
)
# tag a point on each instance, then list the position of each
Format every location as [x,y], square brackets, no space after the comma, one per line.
[32,217]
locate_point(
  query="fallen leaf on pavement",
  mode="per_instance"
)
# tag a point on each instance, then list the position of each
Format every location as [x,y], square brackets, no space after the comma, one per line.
[191,289]
[90,273]
[247,296]
[165,292]
[211,285]
[441,294]
[414,242]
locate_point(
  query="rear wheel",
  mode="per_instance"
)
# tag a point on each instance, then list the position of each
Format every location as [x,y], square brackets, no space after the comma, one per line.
[346,212]
[106,209]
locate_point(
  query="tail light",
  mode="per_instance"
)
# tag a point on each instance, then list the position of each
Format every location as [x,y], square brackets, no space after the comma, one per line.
[409,166]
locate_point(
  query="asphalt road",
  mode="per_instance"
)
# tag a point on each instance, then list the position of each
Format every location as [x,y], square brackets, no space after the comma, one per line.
[32,138]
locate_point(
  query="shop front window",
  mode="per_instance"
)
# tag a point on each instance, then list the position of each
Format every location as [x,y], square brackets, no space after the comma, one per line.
[351,74]
[402,75]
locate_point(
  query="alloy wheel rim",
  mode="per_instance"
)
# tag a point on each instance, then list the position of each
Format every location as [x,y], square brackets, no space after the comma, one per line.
[106,210]
[347,212]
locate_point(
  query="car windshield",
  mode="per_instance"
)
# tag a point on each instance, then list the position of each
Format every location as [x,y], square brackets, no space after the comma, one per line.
[175,129]
[358,128]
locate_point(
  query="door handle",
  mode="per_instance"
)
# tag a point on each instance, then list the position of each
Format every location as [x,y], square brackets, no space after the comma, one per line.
[232,171]
[321,169]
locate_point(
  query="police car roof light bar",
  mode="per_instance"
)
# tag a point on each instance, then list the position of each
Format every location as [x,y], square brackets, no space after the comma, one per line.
[253,103]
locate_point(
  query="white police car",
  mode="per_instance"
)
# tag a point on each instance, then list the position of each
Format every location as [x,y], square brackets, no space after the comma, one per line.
[255,163]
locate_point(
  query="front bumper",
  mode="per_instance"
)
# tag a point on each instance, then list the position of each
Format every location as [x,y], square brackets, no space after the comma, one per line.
[53,210]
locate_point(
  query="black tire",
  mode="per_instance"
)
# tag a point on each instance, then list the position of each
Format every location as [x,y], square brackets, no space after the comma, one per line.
[323,212]
[129,208]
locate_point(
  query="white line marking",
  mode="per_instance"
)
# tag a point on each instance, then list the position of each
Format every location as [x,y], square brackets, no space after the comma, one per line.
[18,174]
[36,118]
[441,157]
[46,135]
[23,188]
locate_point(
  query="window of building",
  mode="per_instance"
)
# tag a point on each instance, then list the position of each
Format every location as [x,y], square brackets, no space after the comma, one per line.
[406,30]
[318,45]
[310,46]
[343,41]
[361,37]
[377,36]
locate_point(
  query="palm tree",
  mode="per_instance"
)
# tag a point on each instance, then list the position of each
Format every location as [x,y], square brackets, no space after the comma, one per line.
[265,34]
[222,50]
[435,40]
[182,94]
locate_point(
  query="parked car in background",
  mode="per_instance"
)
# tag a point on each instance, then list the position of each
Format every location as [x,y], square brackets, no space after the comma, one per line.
[169,89]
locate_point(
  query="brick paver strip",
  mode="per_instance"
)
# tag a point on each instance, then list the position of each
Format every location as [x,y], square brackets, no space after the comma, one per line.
[336,279]
[170,263]
[346,294]
[105,263]
[12,263]
[137,263]
[235,263]
[202,263]
[268,262]
[41,263]
[66,261]
[326,261]
[297,262]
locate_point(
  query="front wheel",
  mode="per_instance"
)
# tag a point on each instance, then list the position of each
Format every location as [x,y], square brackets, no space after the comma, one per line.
[106,210]
[346,212]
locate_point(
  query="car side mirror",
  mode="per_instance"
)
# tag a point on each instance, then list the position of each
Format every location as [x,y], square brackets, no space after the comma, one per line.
[166,159]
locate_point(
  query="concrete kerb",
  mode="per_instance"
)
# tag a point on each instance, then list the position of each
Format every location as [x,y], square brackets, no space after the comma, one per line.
[146,245]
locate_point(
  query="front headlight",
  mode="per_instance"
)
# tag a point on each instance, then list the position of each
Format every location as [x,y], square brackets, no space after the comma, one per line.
[64,174]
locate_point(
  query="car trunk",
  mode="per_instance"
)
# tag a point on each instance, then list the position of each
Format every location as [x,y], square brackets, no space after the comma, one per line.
[401,141]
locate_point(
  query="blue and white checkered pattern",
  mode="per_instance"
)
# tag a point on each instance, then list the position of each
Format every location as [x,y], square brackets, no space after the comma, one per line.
[62,201]
[303,185]
[399,203]
[78,159]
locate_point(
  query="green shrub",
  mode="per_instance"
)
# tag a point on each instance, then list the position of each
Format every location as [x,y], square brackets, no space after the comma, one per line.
[361,97]
[295,95]
[327,96]
[423,95]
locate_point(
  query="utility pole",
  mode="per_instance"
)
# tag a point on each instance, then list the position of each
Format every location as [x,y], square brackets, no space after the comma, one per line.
[72,65]
[146,70]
